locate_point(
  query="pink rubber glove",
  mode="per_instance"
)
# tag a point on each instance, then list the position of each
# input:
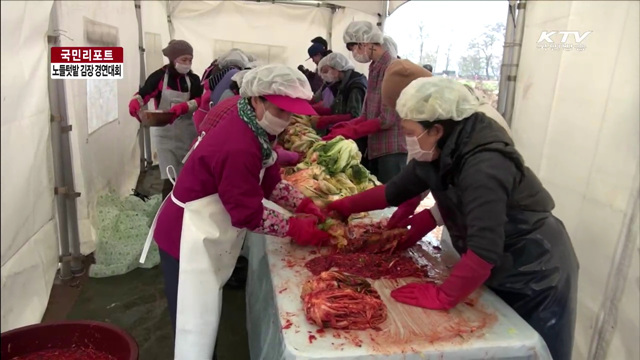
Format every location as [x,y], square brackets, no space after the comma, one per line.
[179,110]
[372,199]
[303,231]
[287,158]
[354,130]
[468,275]
[421,224]
[307,206]
[404,211]
[134,108]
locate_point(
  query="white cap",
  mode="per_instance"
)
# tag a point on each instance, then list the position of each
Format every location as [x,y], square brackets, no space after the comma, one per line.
[276,80]
[234,57]
[390,45]
[336,61]
[436,98]
[237,77]
[362,32]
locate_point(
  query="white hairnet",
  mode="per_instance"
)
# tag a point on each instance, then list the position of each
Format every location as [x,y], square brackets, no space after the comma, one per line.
[436,98]
[362,32]
[390,45]
[234,57]
[237,77]
[276,80]
[336,61]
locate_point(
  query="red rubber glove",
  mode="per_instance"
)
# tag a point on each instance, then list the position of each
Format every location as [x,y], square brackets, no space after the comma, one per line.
[355,130]
[345,124]
[326,121]
[421,224]
[307,206]
[404,211]
[303,231]
[287,158]
[179,110]
[468,275]
[321,110]
[134,108]
[372,199]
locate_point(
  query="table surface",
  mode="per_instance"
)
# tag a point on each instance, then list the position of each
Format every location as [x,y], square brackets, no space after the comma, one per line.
[484,328]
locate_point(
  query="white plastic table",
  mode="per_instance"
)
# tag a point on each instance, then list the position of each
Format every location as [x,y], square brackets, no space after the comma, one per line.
[278,328]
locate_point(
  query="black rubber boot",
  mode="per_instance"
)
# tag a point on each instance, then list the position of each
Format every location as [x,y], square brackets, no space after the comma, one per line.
[238,278]
[167,186]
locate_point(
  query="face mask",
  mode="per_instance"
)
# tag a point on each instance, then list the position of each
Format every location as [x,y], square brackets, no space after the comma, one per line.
[328,78]
[361,58]
[182,68]
[415,152]
[272,124]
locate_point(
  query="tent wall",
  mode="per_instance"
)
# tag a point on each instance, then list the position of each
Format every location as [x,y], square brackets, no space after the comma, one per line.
[576,123]
[205,23]
[29,232]
[108,157]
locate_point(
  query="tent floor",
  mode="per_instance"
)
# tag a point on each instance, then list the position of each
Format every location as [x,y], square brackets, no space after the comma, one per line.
[136,303]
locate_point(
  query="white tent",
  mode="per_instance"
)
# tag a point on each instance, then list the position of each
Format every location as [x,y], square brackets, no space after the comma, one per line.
[575,120]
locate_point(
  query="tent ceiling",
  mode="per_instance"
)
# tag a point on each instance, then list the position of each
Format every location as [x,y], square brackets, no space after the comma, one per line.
[371,7]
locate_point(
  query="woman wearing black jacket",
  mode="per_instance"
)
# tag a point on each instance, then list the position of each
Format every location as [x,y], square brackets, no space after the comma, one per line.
[496,210]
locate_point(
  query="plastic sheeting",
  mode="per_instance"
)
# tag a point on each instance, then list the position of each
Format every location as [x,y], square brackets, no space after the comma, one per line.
[271,295]
[576,124]
[29,232]
[109,157]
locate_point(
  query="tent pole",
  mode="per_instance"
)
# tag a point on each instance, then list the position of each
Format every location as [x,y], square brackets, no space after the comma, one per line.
[171,29]
[617,279]
[330,31]
[68,191]
[513,72]
[385,14]
[136,4]
[144,138]
[64,256]
[507,54]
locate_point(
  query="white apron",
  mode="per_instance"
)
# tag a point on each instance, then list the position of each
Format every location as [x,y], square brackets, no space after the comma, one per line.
[209,249]
[173,141]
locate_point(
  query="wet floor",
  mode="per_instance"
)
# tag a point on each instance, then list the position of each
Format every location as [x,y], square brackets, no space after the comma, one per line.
[136,303]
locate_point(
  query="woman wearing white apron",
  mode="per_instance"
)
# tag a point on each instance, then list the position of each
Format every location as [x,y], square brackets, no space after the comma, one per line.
[219,195]
[175,88]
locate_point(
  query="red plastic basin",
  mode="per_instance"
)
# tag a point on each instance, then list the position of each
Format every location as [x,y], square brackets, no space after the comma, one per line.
[94,335]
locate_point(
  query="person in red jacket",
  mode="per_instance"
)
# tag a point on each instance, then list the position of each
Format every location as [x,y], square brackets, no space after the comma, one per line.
[498,213]
[174,87]
[219,195]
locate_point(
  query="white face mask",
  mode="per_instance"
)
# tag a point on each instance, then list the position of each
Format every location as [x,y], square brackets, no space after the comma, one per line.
[182,68]
[361,58]
[328,78]
[272,124]
[415,152]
